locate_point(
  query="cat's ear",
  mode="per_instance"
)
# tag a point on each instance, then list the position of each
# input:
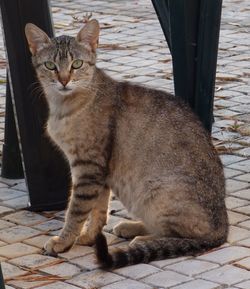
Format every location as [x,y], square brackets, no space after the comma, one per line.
[89,34]
[36,38]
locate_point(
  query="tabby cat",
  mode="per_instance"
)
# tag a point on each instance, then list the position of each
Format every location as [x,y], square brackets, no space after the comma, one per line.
[144,145]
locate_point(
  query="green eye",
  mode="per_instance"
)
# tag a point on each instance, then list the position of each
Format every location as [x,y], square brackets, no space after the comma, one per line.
[77,64]
[50,65]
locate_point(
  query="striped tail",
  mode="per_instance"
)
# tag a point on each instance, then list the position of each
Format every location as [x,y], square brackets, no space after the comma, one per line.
[150,250]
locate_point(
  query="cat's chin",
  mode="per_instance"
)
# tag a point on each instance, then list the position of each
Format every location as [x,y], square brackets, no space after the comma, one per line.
[65,91]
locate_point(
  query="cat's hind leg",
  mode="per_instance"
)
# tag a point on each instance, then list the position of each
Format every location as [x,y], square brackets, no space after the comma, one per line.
[130,229]
[97,219]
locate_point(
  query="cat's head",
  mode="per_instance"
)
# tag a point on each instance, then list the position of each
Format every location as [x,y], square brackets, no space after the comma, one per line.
[64,64]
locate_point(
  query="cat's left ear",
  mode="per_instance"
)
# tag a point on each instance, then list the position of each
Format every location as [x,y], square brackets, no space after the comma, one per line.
[36,38]
[89,34]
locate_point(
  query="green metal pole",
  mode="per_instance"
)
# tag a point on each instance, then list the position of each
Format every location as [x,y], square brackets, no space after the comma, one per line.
[192,30]
[11,158]
[46,171]
[207,51]
[1,279]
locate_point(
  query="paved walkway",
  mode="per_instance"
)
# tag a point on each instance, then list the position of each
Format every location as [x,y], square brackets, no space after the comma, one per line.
[132,47]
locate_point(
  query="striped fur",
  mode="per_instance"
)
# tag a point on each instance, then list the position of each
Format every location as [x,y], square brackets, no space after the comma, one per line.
[143,144]
[150,250]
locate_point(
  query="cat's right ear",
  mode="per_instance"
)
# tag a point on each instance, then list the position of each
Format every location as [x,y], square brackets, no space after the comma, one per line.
[36,38]
[89,34]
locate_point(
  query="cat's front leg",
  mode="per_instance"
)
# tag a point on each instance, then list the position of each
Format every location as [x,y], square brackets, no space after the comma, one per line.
[86,191]
[96,221]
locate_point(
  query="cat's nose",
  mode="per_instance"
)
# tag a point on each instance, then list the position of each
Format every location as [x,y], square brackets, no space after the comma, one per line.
[64,81]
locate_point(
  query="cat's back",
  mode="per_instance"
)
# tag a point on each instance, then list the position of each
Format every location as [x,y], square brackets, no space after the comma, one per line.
[156,130]
[157,114]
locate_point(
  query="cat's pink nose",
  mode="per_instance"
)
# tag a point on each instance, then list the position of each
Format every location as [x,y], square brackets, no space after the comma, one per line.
[64,81]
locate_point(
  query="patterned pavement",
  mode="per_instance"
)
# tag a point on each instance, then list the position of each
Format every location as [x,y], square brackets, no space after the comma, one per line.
[132,47]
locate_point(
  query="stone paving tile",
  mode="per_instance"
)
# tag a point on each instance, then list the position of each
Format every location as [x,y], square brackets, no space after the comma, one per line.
[115,206]
[8,194]
[37,241]
[242,165]
[17,203]
[11,182]
[10,271]
[245,210]
[17,250]
[28,284]
[244,285]
[112,239]
[94,279]
[123,214]
[63,270]
[233,203]
[58,285]
[35,261]
[244,177]
[228,275]
[244,263]
[77,251]
[17,234]
[5,224]
[229,173]
[226,255]
[235,185]
[244,194]
[230,159]
[25,218]
[50,225]
[2,185]
[137,271]
[54,233]
[125,284]
[191,267]
[245,242]
[235,218]
[197,284]
[2,243]
[166,262]
[165,279]
[87,262]
[5,210]
[20,187]
[237,234]
[245,224]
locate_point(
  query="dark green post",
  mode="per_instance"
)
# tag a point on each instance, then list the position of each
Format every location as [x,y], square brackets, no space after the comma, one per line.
[11,158]
[46,171]
[192,32]
[1,279]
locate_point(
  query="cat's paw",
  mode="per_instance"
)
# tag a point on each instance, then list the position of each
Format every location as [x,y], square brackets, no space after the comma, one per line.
[56,245]
[85,240]
[125,230]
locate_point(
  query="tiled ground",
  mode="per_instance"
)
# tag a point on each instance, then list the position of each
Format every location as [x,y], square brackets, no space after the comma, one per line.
[132,47]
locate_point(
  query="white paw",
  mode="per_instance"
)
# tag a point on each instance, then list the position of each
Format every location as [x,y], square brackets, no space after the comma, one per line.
[56,245]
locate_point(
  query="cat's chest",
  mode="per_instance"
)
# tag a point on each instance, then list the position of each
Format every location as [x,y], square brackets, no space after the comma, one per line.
[65,133]
[76,133]
[57,129]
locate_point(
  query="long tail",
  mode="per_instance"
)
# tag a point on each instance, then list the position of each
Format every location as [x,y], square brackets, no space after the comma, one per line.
[150,250]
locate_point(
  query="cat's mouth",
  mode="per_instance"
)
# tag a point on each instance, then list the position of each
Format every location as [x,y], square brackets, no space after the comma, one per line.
[65,89]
